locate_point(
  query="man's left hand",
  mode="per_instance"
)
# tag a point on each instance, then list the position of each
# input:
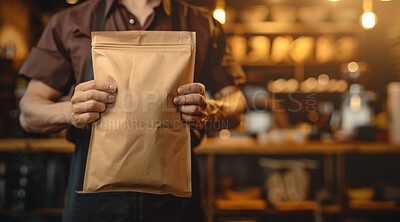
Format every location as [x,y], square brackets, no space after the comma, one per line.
[193,104]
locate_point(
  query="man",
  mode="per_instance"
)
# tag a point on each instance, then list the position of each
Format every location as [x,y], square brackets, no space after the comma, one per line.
[59,62]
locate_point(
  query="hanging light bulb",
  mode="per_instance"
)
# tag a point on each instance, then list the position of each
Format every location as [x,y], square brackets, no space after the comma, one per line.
[219,12]
[219,15]
[368,18]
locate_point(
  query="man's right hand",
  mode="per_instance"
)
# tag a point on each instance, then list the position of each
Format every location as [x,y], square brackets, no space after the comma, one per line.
[89,100]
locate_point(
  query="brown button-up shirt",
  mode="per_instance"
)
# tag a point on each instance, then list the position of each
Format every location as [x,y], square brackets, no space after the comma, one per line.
[59,59]
[60,56]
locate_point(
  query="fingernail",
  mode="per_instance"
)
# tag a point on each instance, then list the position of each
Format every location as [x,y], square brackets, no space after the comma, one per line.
[176,100]
[180,90]
[111,97]
[112,87]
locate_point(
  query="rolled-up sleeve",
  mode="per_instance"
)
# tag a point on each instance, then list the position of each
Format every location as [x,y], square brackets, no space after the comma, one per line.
[48,61]
[220,69]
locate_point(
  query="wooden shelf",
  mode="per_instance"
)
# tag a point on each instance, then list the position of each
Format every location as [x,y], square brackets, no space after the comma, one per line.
[57,145]
[258,204]
[289,64]
[300,207]
[300,93]
[234,145]
[308,207]
[280,28]
[38,211]
[373,207]
[248,145]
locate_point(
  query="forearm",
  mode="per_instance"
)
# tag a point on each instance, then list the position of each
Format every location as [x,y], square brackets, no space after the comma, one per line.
[44,117]
[226,111]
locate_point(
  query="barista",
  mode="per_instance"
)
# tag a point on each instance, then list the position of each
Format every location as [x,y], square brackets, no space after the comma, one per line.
[59,62]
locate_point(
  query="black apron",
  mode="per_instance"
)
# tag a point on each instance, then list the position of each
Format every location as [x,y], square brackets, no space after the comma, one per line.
[124,206]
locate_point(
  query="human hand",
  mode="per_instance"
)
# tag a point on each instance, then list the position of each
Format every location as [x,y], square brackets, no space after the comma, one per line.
[193,104]
[89,100]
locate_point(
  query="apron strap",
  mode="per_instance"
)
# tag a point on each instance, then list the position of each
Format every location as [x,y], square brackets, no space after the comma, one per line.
[98,26]
[175,22]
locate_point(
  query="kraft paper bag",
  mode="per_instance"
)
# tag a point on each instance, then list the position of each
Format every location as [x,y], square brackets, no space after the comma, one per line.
[140,143]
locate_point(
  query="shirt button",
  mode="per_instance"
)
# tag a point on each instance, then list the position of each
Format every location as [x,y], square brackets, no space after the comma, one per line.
[131,21]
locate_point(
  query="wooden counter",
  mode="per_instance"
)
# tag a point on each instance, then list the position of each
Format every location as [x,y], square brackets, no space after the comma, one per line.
[233,146]
[57,145]
[248,145]
[212,147]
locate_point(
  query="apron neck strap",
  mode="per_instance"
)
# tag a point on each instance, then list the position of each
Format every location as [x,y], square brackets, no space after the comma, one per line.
[98,26]
[175,22]
[100,17]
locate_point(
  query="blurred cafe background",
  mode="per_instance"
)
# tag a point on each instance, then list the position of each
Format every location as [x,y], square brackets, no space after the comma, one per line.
[320,138]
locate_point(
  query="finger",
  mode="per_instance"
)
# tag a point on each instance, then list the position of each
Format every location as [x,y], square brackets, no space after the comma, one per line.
[190,118]
[192,88]
[97,85]
[190,99]
[89,106]
[192,110]
[83,96]
[82,119]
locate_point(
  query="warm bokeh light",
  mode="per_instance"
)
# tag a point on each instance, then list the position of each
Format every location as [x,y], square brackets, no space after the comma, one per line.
[280,85]
[219,15]
[72,2]
[341,85]
[313,116]
[323,79]
[311,83]
[292,85]
[334,0]
[368,20]
[355,103]
[224,134]
[352,67]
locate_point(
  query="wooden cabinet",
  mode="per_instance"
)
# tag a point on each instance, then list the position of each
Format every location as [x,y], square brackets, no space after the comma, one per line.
[334,169]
